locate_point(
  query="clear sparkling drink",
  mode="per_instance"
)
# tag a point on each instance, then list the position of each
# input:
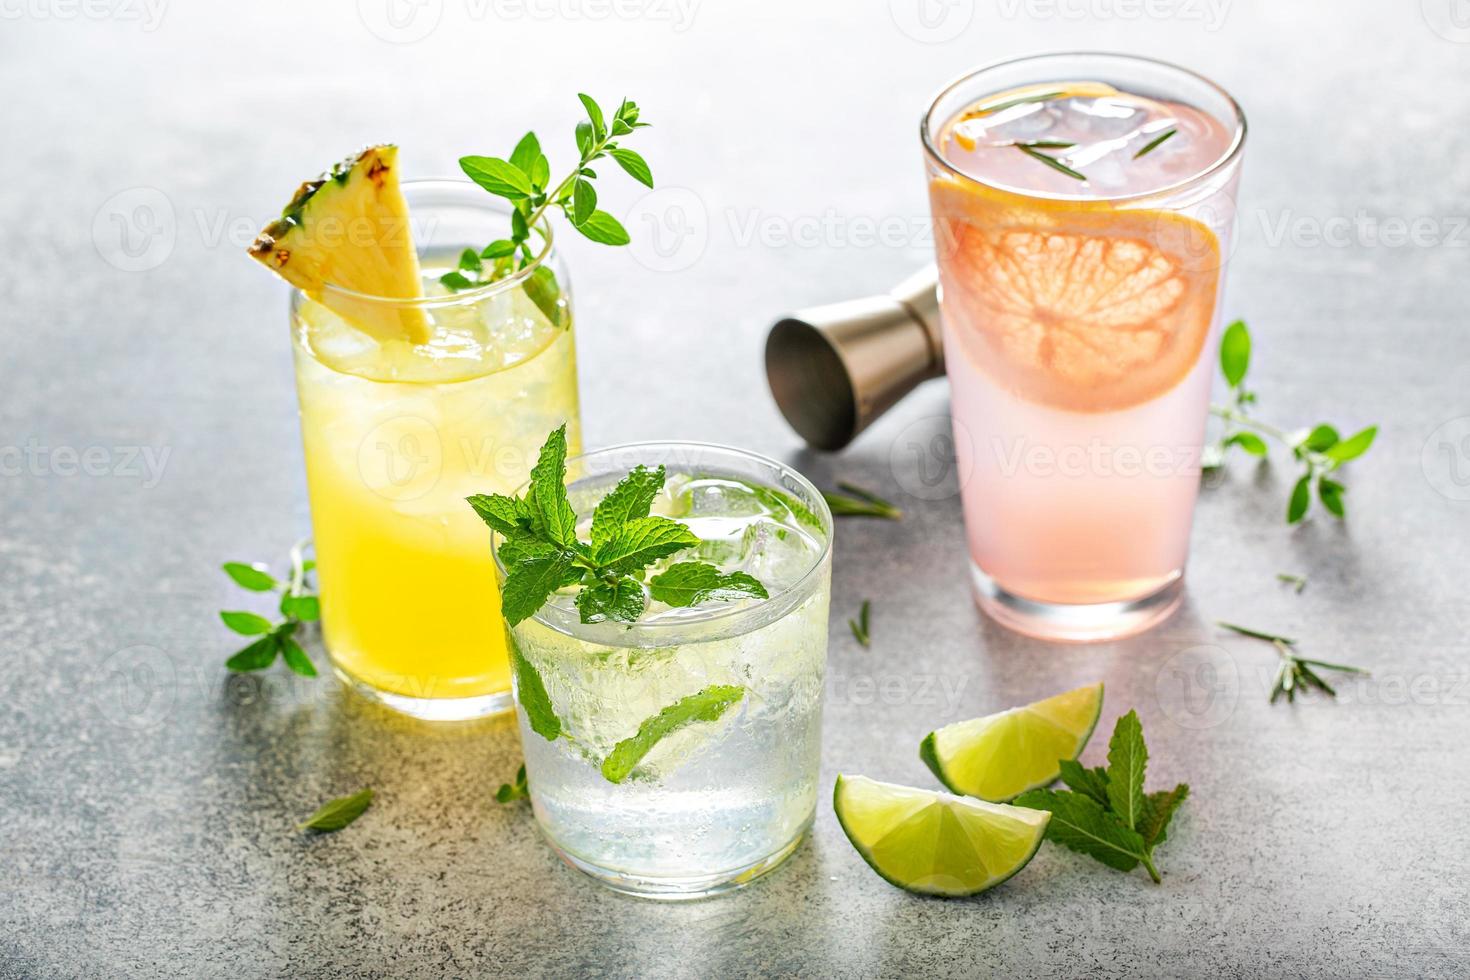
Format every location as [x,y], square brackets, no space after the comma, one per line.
[1083,207]
[715,802]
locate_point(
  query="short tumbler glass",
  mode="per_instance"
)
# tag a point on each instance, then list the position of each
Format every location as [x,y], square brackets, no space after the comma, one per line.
[715,803]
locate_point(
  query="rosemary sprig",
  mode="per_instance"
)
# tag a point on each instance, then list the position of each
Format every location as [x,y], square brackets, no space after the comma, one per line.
[859,626]
[1299,581]
[1154,143]
[1050,161]
[1295,672]
[990,110]
[861,503]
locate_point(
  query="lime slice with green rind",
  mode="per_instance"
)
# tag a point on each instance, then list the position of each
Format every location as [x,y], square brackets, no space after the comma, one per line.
[933,843]
[1001,756]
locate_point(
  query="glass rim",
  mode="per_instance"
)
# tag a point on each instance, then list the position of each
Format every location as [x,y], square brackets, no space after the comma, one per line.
[1230,154]
[822,511]
[467,296]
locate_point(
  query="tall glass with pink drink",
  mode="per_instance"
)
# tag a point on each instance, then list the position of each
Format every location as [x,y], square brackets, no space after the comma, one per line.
[1083,206]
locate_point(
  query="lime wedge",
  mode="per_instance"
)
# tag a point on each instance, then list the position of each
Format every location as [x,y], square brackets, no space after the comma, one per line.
[1001,756]
[934,843]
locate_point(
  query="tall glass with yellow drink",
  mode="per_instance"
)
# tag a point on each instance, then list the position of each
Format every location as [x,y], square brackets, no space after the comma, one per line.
[399,427]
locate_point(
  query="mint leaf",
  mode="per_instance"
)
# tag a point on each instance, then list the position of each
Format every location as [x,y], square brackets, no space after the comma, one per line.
[629,500]
[708,705]
[621,600]
[542,289]
[525,155]
[530,583]
[633,165]
[1080,823]
[1248,441]
[257,656]
[456,281]
[1301,499]
[641,542]
[691,582]
[252,577]
[501,248]
[246,623]
[594,113]
[1089,782]
[469,261]
[550,510]
[338,813]
[296,657]
[516,548]
[1353,446]
[1158,810]
[519,790]
[1330,493]
[782,504]
[1127,759]
[584,201]
[1235,353]
[497,176]
[603,228]
[505,514]
[1322,438]
[532,697]
[306,608]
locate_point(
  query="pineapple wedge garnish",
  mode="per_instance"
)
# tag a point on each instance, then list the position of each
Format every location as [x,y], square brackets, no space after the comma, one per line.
[349,229]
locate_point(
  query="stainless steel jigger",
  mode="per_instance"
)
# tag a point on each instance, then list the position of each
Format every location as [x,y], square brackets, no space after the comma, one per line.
[834,369]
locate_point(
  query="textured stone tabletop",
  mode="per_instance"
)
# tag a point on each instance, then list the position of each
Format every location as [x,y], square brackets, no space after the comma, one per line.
[148,432]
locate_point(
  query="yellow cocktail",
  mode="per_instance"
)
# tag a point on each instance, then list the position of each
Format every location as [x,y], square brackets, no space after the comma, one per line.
[398,433]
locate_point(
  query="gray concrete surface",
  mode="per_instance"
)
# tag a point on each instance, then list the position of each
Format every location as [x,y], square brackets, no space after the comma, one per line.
[146,799]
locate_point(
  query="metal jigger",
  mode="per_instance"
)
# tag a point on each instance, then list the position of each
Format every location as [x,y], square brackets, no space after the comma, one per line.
[834,369]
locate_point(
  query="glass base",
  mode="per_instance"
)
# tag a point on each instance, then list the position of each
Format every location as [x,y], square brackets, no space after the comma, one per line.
[686,888]
[1075,622]
[431,709]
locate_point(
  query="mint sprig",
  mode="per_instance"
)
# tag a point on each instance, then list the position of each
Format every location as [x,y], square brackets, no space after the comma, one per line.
[706,705]
[1105,813]
[298,604]
[518,790]
[1320,450]
[336,814]
[542,552]
[525,181]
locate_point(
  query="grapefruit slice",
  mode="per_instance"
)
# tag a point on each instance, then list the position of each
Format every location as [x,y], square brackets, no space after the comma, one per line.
[1074,304]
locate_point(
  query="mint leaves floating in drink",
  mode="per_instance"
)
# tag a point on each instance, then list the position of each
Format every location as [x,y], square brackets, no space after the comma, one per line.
[1295,673]
[298,604]
[542,552]
[707,705]
[525,181]
[336,814]
[1106,814]
[1320,450]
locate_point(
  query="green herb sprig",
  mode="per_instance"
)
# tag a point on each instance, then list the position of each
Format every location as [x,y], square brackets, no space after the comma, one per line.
[1297,582]
[298,604]
[1154,144]
[525,181]
[859,626]
[1320,450]
[542,553]
[518,790]
[336,814]
[1106,814]
[860,503]
[1295,673]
